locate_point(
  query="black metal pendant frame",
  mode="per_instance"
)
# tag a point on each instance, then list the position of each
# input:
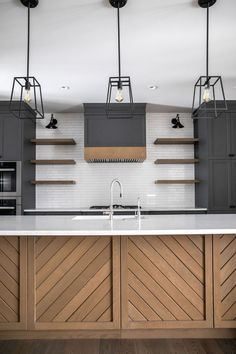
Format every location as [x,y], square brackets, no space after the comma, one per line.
[119,82]
[217,105]
[113,110]
[18,106]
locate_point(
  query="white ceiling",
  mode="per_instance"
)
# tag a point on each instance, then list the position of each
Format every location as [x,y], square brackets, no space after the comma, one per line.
[74,44]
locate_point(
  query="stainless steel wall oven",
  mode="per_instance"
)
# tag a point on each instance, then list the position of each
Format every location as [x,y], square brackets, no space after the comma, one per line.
[10,179]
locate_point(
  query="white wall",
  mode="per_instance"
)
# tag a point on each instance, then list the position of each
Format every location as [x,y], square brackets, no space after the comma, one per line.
[93,180]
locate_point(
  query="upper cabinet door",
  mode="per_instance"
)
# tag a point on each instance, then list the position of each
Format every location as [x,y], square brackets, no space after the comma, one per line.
[233,186]
[220,184]
[12,139]
[1,138]
[233,135]
[219,138]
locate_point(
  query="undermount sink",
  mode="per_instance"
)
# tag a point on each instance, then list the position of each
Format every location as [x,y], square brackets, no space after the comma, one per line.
[103,217]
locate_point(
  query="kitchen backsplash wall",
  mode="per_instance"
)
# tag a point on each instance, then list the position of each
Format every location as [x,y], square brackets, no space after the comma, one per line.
[93,180]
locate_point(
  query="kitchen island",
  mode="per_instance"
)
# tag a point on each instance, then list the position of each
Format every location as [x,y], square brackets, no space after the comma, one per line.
[162,276]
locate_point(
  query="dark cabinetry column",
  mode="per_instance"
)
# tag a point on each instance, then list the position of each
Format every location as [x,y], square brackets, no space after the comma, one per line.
[12,139]
[217,167]
[1,138]
[219,138]
[220,184]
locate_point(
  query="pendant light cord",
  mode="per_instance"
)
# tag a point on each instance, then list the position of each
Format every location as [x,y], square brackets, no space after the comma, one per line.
[207,44]
[28,43]
[119,56]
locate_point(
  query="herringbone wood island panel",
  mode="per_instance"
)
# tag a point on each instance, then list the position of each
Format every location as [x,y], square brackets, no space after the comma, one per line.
[224,259]
[167,282]
[12,283]
[76,282]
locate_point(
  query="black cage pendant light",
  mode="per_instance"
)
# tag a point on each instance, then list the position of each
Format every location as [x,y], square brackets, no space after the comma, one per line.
[209,97]
[26,97]
[119,86]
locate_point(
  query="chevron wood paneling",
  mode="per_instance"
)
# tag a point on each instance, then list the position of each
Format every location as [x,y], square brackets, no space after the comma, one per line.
[224,259]
[167,282]
[74,278]
[12,282]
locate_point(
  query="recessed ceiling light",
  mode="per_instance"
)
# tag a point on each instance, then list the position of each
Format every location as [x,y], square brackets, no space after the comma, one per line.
[153,87]
[65,87]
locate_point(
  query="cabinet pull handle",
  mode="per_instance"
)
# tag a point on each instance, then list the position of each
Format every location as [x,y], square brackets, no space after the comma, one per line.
[232,206]
[231,155]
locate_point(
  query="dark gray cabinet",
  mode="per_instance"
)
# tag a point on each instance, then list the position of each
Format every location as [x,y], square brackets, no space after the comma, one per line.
[221,135]
[12,139]
[217,167]
[1,138]
[220,185]
[15,145]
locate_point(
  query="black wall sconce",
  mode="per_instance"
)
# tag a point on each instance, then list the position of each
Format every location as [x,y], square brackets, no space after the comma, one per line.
[52,124]
[176,123]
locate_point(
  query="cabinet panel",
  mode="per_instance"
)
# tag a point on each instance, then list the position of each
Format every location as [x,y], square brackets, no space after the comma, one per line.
[13,283]
[220,185]
[76,283]
[233,184]
[219,138]
[224,258]
[12,139]
[166,282]
[233,134]
[1,138]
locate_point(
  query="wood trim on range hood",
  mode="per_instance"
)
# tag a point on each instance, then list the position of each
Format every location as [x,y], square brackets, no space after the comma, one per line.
[115,154]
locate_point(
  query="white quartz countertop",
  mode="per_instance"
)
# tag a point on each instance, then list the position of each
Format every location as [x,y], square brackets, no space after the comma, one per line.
[68,210]
[149,225]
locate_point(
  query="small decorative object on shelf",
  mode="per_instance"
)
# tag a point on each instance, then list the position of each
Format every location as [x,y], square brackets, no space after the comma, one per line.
[176,123]
[52,124]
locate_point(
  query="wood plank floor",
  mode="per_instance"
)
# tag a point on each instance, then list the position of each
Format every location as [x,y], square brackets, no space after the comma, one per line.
[96,346]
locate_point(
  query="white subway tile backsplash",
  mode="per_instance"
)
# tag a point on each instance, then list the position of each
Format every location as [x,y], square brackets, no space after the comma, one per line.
[93,180]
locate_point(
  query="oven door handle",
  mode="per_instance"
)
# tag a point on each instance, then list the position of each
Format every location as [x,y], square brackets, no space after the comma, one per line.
[7,208]
[7,170]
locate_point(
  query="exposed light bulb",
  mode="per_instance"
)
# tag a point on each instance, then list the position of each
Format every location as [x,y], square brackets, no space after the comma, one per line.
[27,96]
[119,96]
[207,94]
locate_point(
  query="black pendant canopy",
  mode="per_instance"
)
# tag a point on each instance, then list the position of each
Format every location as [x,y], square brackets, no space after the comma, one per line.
[121,85]
[209,96]
[26,97]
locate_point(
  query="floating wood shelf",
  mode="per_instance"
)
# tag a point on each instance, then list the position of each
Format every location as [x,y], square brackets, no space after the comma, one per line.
[53,141]
[176,161]
[177,181]
[53,162]
[53,182]
[178,141]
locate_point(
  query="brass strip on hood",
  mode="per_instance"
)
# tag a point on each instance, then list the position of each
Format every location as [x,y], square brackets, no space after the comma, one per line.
[115,154]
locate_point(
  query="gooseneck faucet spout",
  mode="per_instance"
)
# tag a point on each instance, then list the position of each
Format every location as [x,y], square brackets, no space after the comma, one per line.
[111,195]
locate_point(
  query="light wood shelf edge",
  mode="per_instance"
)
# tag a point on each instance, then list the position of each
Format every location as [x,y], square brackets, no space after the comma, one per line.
[178,141]
[176,161]
[184,181]
[52,182]
[53,141]
[53,162]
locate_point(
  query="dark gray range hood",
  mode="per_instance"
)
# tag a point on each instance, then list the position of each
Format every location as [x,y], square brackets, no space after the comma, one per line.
[118,138]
